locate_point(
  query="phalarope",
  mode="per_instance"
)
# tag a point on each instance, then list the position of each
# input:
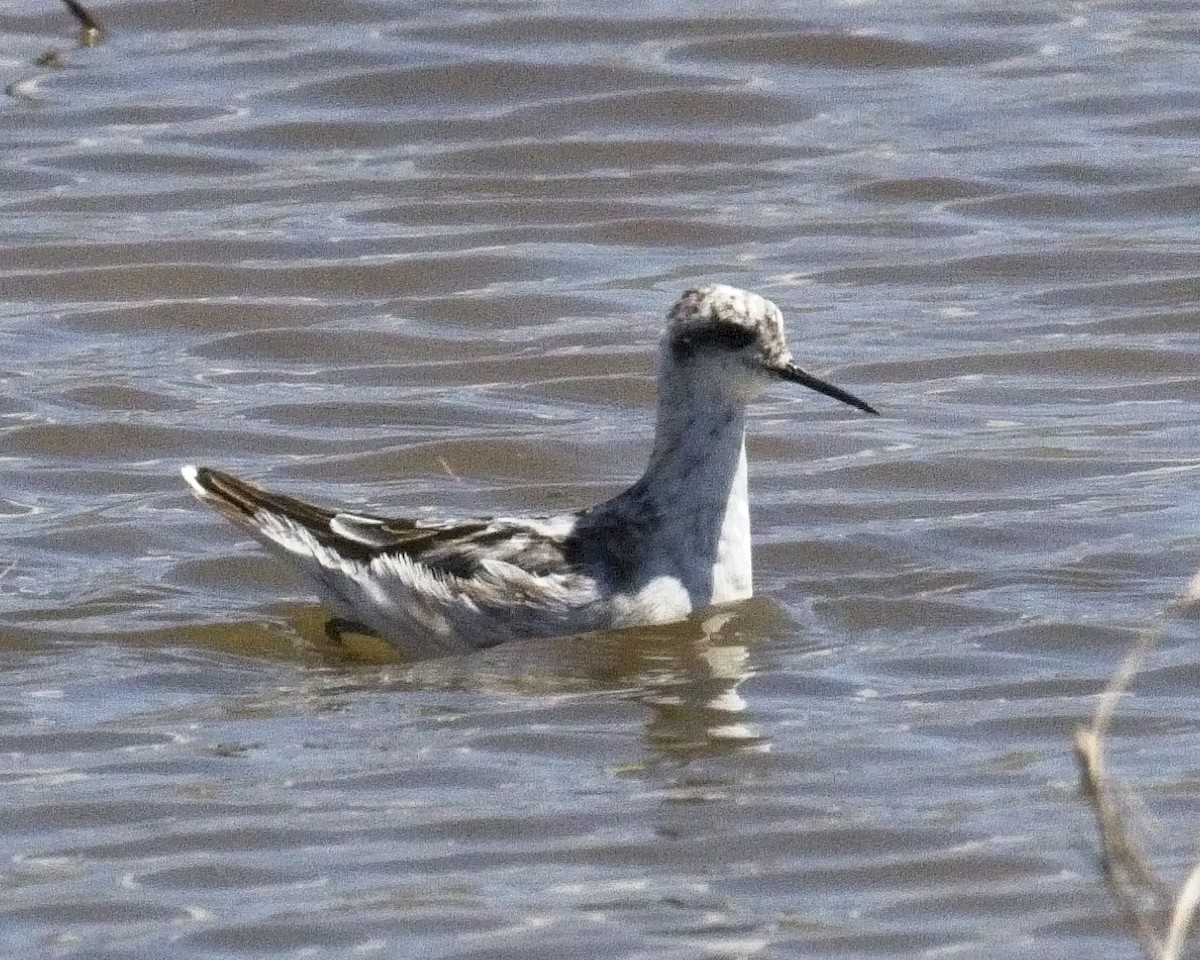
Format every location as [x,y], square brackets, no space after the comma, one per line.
[676,541]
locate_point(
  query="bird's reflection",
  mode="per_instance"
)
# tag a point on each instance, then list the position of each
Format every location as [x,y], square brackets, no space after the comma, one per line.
[692,691]
[688,674]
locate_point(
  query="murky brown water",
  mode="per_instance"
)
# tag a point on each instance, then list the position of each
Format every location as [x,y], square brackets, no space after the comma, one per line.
[414,256]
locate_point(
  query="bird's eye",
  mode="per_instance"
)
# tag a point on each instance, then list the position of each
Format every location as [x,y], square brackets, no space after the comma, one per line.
[731,336]
[718,337]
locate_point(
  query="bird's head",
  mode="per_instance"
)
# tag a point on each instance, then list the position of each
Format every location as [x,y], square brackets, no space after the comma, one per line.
[735,339]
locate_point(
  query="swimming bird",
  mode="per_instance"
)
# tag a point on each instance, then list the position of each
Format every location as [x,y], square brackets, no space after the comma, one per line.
[676,541]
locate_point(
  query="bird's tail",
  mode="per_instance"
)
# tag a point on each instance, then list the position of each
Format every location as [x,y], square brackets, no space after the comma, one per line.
[298,527]
[244,501]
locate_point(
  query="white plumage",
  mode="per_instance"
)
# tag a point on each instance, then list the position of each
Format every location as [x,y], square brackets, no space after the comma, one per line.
[676,541]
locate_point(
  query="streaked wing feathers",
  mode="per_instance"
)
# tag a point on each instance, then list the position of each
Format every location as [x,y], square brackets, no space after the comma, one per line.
[457,548]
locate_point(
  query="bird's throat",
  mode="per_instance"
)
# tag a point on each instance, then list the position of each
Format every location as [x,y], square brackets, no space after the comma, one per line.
[697,478]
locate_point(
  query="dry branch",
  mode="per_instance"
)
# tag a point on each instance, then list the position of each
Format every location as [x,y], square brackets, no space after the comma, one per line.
[1162,919]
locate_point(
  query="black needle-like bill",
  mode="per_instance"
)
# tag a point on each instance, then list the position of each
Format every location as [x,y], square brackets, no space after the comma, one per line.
[793,374]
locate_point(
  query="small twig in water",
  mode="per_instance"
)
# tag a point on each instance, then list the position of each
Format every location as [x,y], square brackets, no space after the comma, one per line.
[450,473]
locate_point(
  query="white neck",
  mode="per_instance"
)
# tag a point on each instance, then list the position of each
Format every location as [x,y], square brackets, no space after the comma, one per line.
[696,479]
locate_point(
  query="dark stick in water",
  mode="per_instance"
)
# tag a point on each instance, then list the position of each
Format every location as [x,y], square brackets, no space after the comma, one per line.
[89,27]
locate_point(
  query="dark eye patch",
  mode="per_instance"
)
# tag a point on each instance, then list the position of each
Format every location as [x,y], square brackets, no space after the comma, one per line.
[718,336]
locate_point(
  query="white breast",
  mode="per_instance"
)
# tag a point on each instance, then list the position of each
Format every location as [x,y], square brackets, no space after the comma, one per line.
[732,569]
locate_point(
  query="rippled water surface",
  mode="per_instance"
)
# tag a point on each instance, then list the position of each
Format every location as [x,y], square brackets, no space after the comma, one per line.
[414,257]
